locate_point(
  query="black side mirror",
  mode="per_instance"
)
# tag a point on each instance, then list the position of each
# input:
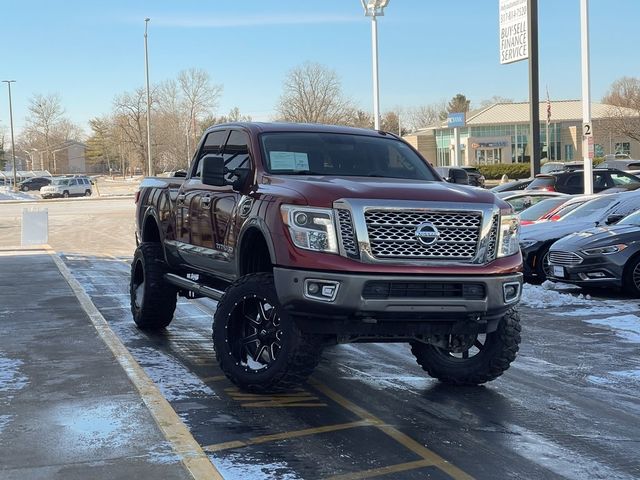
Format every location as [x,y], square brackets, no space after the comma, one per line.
[460,177]
[213,171]
[616,217]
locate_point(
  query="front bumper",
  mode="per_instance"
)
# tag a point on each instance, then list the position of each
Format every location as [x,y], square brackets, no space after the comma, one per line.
[397,297]
[51,194]
[595,270]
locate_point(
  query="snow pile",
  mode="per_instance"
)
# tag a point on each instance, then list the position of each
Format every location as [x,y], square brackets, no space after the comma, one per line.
[6,193]
[544,296]
[625,326]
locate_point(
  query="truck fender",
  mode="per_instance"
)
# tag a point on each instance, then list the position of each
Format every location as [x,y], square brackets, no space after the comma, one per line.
[260,224]
[153,213]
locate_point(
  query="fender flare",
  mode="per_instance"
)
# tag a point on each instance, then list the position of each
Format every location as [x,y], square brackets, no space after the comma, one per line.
[260,225]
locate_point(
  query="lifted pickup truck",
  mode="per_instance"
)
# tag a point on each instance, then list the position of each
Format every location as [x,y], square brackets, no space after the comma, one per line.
[309,235]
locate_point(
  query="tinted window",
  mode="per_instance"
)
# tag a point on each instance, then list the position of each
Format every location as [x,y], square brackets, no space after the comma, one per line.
[309,153]
[591,207]
[236,153]
[212,145]
[620,179]
[542,182]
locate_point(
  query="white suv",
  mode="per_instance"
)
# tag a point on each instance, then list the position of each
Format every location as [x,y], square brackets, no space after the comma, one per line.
[67,187]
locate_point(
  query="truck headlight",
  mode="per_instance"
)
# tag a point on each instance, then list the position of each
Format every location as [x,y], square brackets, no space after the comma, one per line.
[311,228]
[508,235]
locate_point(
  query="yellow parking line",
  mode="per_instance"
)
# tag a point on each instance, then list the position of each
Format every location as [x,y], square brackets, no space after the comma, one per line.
[376,472]
[191,454]
[286,435]
[408,442]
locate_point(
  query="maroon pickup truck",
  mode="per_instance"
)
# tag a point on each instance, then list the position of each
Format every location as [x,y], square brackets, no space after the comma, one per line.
[309,235]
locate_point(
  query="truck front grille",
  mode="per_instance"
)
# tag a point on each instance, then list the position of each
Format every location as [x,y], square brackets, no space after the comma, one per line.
[392,234]
[347,233]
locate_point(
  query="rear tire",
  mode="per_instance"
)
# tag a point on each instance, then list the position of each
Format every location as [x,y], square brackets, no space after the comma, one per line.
[258,345]
[153,300]
[65,194]
[481,363]
[87,193]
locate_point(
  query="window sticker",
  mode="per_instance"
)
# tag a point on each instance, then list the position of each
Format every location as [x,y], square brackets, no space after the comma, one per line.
[289,161]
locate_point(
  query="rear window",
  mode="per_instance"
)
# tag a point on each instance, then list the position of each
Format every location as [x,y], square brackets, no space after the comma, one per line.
[542,182]
[534,212]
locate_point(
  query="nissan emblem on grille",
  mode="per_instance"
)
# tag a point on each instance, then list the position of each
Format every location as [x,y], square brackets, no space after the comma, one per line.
[427,233]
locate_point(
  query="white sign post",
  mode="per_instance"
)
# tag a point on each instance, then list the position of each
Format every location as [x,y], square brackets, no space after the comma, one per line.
[514,43]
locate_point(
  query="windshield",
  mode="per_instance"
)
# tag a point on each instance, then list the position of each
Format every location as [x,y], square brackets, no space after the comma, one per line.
[536,211]
[60,181]
[633,219]
[591,207]
[339,154]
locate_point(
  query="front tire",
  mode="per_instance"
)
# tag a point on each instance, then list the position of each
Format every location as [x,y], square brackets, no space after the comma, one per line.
[153,300]
[631,277]
[258,345]
[65,194]
[489,357]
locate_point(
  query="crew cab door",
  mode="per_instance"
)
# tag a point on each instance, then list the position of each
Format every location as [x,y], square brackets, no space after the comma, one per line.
[188,209]
[217,222]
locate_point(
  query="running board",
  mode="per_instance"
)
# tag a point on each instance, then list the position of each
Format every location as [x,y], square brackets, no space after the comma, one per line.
[192,286]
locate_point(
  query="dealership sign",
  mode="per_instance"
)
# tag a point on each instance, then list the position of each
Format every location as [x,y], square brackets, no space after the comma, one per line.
[514,45]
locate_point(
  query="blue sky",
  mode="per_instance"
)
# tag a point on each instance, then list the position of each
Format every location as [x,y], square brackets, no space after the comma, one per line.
[429,50]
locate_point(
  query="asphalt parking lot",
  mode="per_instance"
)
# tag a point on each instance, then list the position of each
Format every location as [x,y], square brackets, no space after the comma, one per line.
[567,408]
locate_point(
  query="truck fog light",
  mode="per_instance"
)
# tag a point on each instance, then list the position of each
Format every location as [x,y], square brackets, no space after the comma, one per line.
[323,290]
[511,292]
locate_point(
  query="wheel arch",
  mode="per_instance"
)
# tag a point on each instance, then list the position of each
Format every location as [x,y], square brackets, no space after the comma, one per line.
[151,231]
[255,250]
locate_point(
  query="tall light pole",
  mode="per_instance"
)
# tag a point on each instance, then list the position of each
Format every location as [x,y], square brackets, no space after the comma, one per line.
[373,9]
[13,143]
[146,70]
[587,130]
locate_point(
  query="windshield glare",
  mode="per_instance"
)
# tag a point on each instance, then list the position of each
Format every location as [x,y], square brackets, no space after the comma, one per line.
[60,181]
[339,154]
[534,212]
[633,219]
[591,207]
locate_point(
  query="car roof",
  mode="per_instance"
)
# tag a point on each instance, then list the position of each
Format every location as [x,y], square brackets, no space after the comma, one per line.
[263,127]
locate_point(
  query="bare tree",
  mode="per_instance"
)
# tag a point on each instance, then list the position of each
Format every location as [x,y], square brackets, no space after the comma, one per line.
[493,100]
[312,93]
[199,96]
[45,115]
[426,115]
[130,110]
[624,98]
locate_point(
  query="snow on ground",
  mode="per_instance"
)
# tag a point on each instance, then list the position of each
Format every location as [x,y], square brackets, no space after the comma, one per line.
[626,326]
[6,193]
[547,296]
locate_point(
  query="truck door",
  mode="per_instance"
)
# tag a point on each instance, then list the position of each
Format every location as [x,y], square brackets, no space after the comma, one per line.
[188,203]
[218,205]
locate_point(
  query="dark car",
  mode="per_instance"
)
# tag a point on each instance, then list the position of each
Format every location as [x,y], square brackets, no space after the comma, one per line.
[572,182]
[513,185]
[602,257]
[453,175]
[34,183]
[536,239]
[476,178]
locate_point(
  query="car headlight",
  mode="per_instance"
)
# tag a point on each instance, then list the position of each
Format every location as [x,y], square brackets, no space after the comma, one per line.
[311,228]
[605,250]
[508,235]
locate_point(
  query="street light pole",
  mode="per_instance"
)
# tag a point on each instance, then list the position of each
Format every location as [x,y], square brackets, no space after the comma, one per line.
[13,142]
[373,9]
[587,133]
[146,70]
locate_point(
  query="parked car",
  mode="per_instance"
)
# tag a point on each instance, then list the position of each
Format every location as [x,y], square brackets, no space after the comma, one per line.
[67,187]
[565,208]
[549,167]
[536,212]
[572,182]
[622,164]
[536,239]
[476,178]
[513,185]
[521,200]
[602,257]
[453,175]
[34,183]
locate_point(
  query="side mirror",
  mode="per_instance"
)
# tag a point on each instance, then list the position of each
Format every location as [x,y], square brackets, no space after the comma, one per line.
[213,171]
[460,177]
[611,219]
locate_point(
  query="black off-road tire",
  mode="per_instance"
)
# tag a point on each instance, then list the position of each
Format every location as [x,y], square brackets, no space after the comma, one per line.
[153,300]
[491,361]
[291,355]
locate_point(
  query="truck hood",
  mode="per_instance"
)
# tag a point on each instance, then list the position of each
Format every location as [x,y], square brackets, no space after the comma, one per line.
[599,237]
[322,191]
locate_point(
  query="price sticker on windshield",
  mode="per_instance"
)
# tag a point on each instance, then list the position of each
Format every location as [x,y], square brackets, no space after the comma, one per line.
[587,129]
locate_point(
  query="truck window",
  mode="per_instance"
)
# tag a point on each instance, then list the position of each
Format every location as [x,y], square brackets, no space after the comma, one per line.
[340,154]
[212,145]
[236,153]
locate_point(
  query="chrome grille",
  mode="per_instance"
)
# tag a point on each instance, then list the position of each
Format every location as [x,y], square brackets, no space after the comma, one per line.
[347,234]
[392,234]
[559,257]
[492,240]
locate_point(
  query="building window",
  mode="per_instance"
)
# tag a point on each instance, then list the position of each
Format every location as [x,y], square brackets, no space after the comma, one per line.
[568,152]
[623,147]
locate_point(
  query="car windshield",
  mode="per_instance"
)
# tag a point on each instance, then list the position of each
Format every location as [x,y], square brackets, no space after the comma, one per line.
[60,181]
[591,207]
[339,154]
[633,219]
[536,211]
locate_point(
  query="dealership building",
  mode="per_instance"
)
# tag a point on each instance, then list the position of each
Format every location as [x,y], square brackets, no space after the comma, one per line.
[500,133]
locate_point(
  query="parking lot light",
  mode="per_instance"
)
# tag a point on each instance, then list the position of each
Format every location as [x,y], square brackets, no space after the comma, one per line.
[13,142]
